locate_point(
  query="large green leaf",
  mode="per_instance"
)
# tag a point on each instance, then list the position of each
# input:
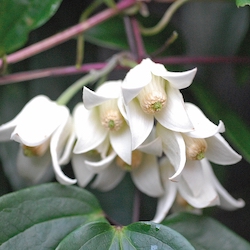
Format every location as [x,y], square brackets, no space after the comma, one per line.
[241,3]
[139,235]
[53,216]
[205,233]
[40,217]
[18,18]
[237,131]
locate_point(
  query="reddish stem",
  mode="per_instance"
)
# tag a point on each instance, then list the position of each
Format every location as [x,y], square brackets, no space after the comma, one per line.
[67,34]
[141,53]
[72,70]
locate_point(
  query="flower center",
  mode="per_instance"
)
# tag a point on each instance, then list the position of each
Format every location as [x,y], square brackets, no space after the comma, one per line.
[152,97]
[35,151]
[195,148]
[110,114]
[135,163]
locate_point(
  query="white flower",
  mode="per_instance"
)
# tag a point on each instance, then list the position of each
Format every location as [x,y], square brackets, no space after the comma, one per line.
[82,171]
[144,170]
[199,187]
[204,141]
[150,91]
[101,117]
[42,129]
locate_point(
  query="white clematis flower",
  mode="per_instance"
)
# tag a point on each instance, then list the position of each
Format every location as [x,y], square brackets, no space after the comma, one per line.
[199,189]
[144,169]
[150,91]
[102,116]
[42,129]
[204,141]
[82,171]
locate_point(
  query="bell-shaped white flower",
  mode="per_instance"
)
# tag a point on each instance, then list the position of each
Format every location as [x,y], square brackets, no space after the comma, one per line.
[199,189]
[42,129]
[144,169]
[150,91]
[82,171]
[204,141]
[102,116]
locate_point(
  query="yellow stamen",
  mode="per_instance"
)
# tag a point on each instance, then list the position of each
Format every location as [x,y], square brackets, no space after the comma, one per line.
[111,117]
[195,147]
[153,96]
[135,163]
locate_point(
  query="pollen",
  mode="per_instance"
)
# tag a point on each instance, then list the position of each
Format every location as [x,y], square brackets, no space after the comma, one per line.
[152,97]
[110,115]
[195,148]
[135,163]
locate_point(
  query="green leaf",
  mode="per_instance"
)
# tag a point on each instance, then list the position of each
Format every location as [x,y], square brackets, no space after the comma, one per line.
[111,34]
[242,3]
[40,217]
[205,233]
[139,235]
[18,18]
[237,131]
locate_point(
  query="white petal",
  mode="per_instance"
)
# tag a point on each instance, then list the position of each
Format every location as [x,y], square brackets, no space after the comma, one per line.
[154,147]
[82,173]
[103,148]
[193,175]
[166,201]
[137,78]
[220,152]
[93,133]
[206,198]
[7,129]
[174,116]
[40,119]
[110,89]
[147,177]
[107,91]
[226,200]
[203,127]
[141,124]
[66,156]
[97,166]
[180,80]
[81,116]
[108,178]
[58,142]
[91,99]
[174,148]
[120,104]
[33,168]
[121,143]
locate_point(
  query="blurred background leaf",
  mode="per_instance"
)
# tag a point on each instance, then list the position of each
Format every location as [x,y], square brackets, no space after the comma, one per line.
[205,233]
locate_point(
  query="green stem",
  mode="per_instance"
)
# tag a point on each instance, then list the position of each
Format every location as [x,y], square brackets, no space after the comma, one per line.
[165,19]
[93,75]
[80,39]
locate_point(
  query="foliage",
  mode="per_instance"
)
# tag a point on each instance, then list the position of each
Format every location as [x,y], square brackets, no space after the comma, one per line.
[212,36]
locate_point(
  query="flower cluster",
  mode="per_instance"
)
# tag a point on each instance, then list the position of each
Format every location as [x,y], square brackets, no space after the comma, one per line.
[139,125]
